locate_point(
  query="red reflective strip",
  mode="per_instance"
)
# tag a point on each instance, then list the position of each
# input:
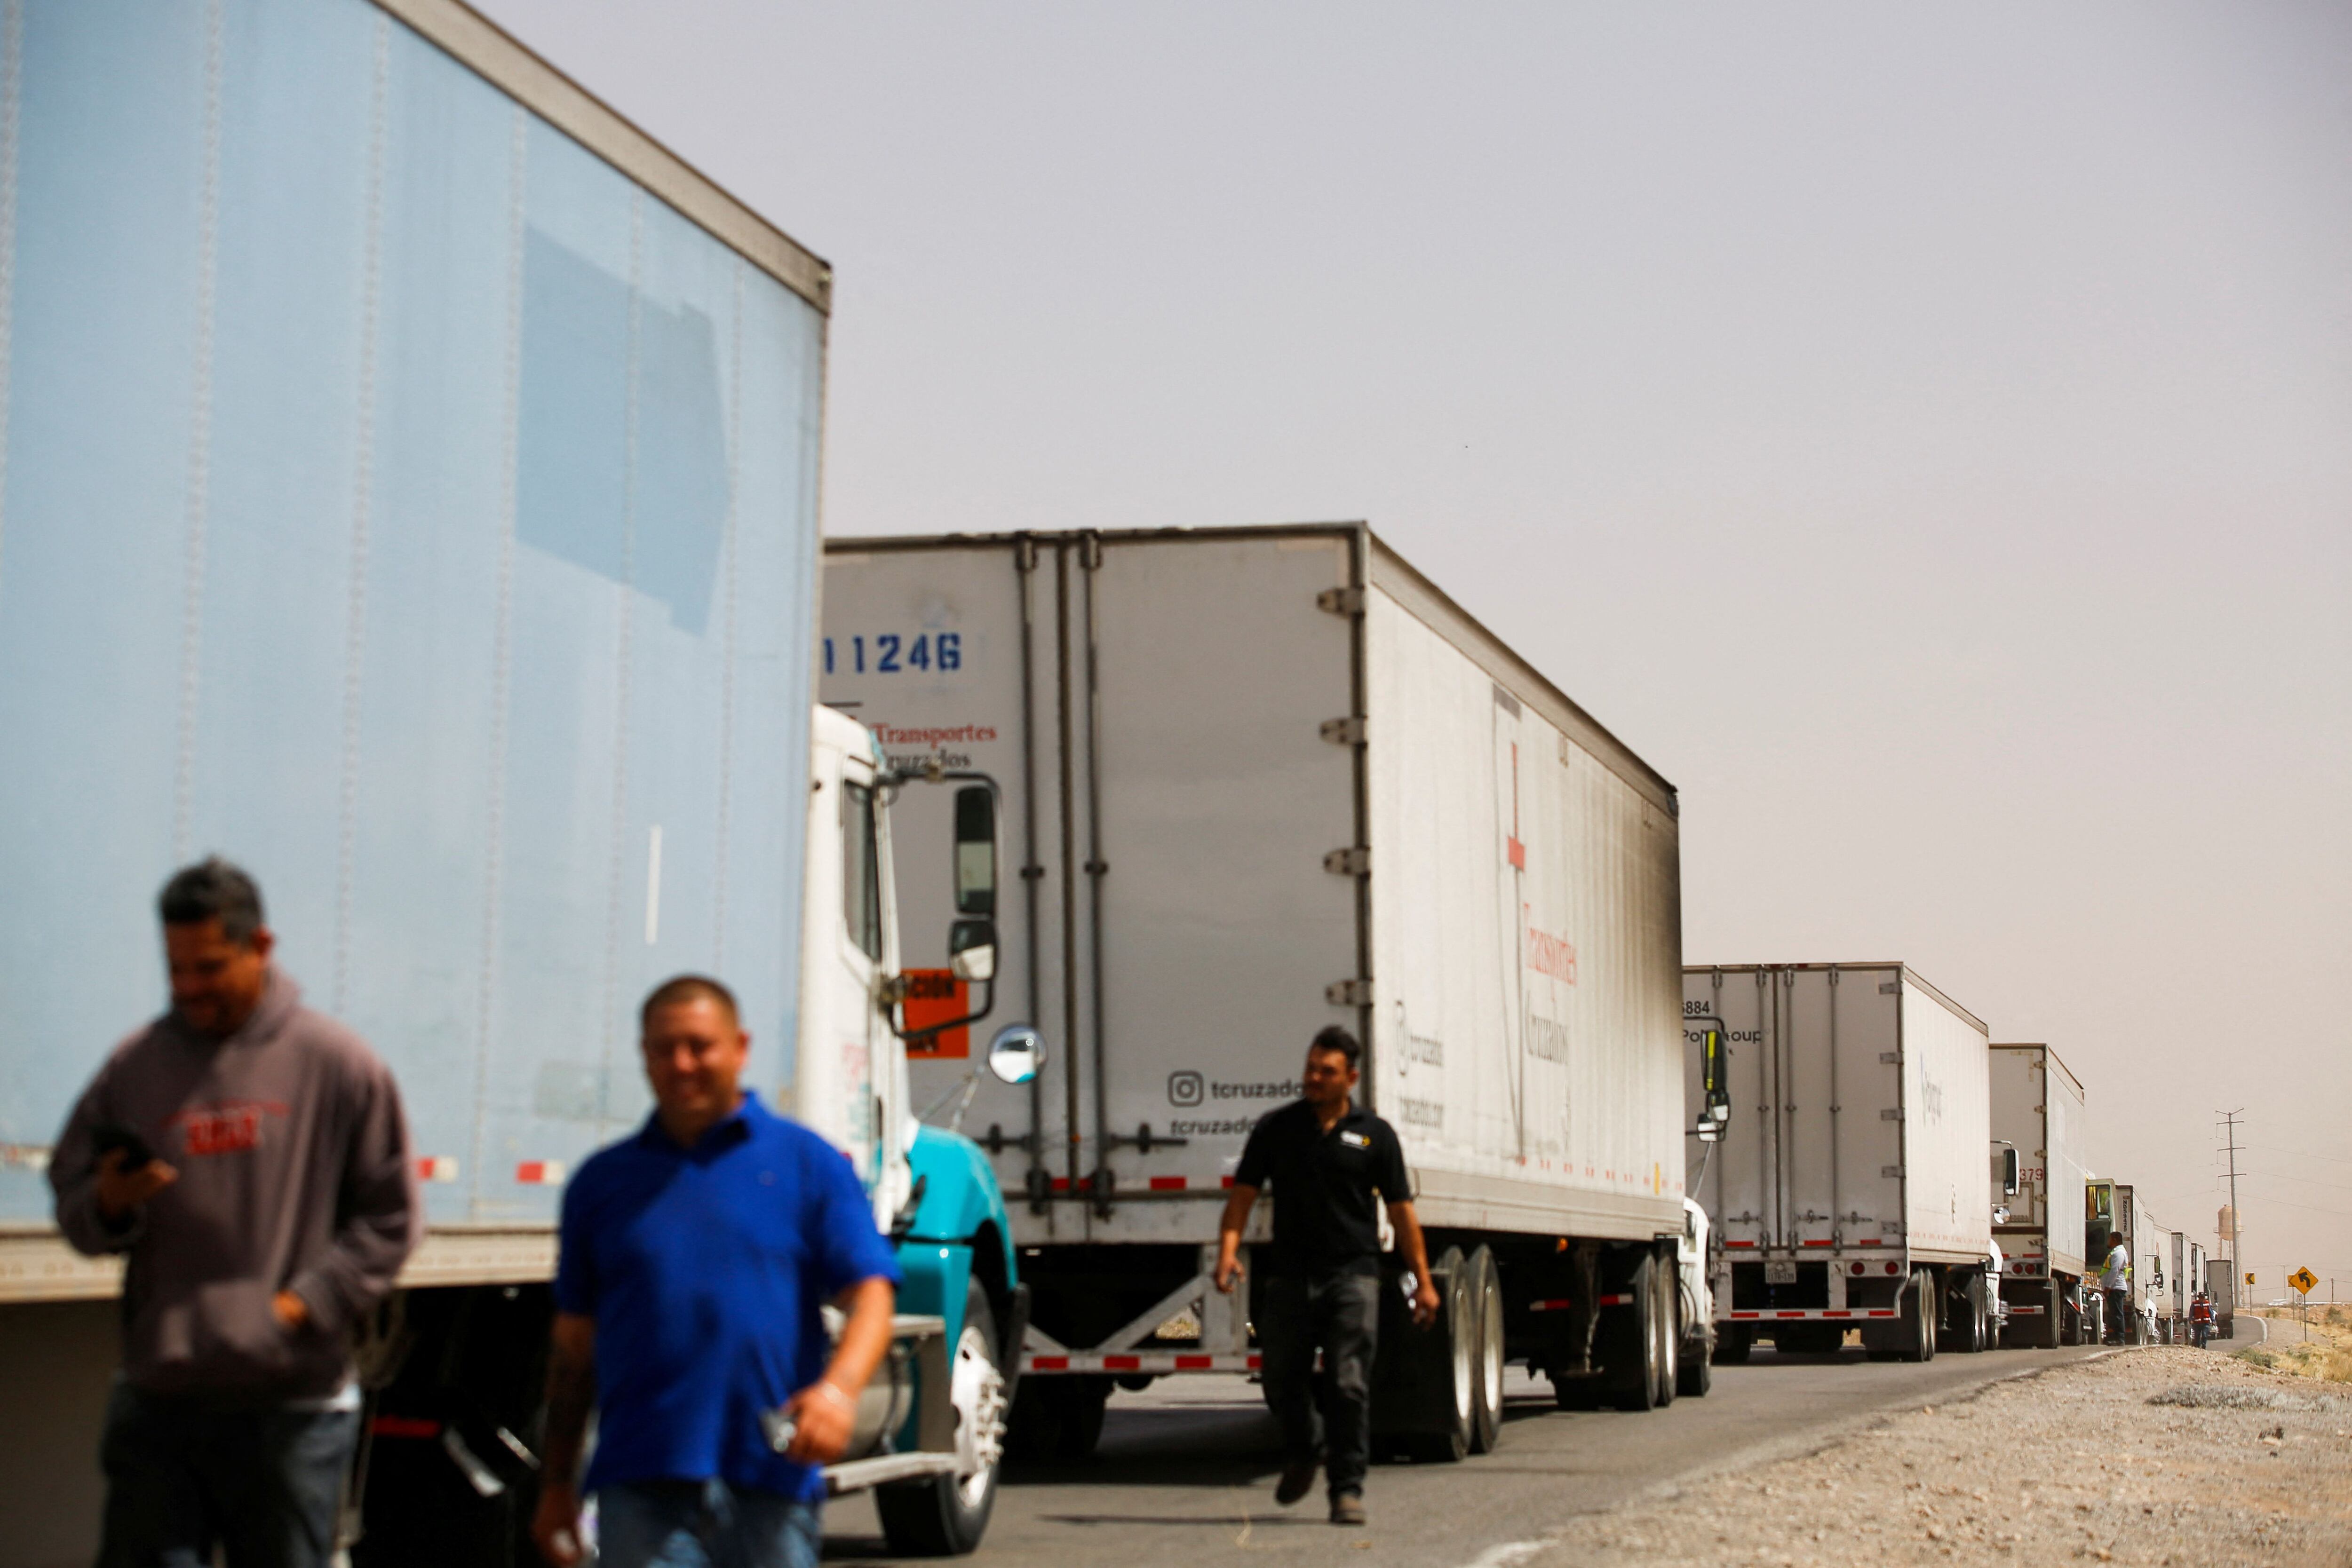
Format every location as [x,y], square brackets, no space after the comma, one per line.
[1195,1363]
[1881,1313]
[1752,1244]
[1228,1181]
[1873,1241]
[1061,1184]
[1168,1184]
[1788,1314]
[1837,1312]
[1253,1363]
[1816,1244]
[1747,1314]
[1049,1363]
[539,1172]
[1624,1301]
[404,1427]
[1122,1363]
[1559,1306]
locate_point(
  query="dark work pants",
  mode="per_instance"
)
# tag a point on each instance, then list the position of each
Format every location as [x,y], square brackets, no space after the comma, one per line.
[1332,1412]
[2123,1324]
[182,1477]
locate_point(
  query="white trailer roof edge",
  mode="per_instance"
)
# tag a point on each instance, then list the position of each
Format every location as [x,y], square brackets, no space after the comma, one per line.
[1431,605]
[1910,975]
[2048,1055]
[1392,575]
[513,68]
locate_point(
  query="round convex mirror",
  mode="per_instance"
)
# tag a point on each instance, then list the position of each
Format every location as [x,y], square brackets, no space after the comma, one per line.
[1017,1054]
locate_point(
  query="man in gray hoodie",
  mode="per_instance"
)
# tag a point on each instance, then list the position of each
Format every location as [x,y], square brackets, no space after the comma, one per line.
[250,1158]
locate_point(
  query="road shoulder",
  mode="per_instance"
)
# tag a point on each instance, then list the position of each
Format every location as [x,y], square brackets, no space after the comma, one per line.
[2233,1465]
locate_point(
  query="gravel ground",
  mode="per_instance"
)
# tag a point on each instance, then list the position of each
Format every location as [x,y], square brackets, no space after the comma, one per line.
[2157,1456]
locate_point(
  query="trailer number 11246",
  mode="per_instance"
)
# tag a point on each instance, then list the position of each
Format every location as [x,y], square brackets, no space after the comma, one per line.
[890,653]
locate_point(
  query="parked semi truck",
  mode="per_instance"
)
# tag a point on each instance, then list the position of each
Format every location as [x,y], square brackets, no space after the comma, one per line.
[2037,1119]
[410,492]
[1847,1186]
[1268,779]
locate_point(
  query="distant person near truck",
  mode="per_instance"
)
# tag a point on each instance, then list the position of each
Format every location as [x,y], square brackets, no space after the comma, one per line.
[1327,1161]
[2114,1281]
[249,1159]
[694,1260]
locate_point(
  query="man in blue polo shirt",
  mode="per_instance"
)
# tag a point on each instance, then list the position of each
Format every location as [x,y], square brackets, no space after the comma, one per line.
[694,1258]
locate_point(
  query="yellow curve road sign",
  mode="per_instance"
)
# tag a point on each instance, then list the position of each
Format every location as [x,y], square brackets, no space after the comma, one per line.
[2303,1280]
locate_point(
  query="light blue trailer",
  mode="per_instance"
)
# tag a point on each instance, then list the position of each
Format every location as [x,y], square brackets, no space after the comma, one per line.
[408,489]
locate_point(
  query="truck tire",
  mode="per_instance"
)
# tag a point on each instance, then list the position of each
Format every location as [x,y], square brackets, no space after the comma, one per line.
[1919,1314]
[1486,1365]
[1697,1368]
[1667,1291]
[1452,1404]
[945,1516]
[1732,1345]
[1976,1318]
[1629,1341]
[1057,1417]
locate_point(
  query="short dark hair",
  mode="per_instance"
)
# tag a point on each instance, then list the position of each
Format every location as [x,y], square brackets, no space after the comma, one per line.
[1333,1037]
[213,889]
[686,988]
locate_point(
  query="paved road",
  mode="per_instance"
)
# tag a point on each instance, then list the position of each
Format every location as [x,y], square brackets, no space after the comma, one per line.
[1185,1474]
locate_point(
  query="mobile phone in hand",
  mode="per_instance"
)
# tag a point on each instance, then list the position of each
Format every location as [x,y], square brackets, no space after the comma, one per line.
[109,1137]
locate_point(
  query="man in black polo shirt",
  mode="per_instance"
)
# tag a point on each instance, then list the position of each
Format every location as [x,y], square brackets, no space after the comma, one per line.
[1326,1160]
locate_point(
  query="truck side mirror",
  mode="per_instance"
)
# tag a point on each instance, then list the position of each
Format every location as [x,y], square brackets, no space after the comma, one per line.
[2009,1173]
[976,852]
[971,949]
[1017,1054]
[1715,1080]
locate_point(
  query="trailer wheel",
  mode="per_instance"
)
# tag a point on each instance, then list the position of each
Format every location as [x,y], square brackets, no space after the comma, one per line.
[1919,1314]
[945,1516]
[1486,1366]
[1631,1353]
[1732,1345]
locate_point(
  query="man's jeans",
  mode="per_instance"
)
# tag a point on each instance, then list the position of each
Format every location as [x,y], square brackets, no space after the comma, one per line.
[702,1524]
[183,1478]
[2123,1324]
[1333,1412]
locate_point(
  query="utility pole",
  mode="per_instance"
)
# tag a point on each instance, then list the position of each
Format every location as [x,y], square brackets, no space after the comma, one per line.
[2236,1253]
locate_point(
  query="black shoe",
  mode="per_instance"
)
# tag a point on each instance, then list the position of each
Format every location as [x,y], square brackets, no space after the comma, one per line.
[1297,1481]
[1347,1509]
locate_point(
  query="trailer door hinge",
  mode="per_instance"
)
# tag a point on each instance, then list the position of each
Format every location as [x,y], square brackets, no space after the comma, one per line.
[1344,731]
[1890,1058]
[1891,1173]
[1340,601]
[1890,988]
[1356,861]
[1891,1115]
[1349,993]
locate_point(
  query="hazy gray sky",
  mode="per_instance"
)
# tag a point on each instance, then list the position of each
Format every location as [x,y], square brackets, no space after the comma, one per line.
[1925,434]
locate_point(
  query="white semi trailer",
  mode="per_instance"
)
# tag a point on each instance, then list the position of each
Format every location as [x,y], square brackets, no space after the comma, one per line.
[1264,780]
[2037,1111]
[1847,1186]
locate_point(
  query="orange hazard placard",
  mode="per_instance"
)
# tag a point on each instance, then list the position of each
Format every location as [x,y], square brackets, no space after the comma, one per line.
[933,995]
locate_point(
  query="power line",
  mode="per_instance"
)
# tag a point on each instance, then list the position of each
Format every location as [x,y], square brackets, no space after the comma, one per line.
[2298,1154]
[2283,1203]
[2307,1181]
